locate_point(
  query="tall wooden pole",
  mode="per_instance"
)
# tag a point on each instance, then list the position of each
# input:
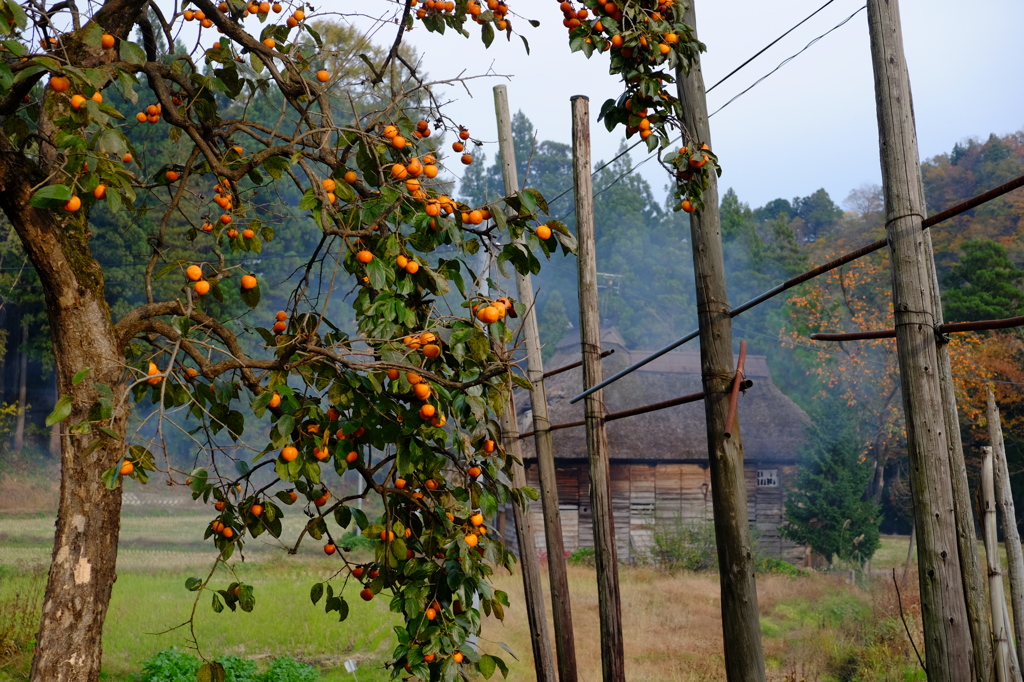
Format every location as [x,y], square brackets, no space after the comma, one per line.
[609,607]
[565,646]
[948,640]
[963,512]
[533,592]
[744,658]
[1011,536]
[997,598]
[528,563]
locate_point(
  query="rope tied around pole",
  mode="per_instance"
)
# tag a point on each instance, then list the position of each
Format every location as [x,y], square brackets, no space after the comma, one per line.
[890,221]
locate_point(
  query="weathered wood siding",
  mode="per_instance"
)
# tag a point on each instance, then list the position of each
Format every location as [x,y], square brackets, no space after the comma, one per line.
[646,496]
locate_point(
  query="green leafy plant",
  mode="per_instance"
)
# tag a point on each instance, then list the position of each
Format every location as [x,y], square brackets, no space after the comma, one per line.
[170,666]
[177,666]
[287,669]
[685,546]
[584,556]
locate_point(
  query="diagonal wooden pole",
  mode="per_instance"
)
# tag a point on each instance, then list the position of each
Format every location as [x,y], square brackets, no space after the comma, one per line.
[609,606]
[1011,536]
[565,646]
[1005,660]
[744,658]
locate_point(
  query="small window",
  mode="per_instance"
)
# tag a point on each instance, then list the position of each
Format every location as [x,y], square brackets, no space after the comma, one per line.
[767,478]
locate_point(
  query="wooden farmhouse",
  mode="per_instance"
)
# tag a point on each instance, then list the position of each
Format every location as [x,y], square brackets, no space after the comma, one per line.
[659,460]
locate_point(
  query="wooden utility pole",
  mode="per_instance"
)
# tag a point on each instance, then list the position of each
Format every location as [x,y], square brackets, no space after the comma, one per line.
[741,629]
[948,640]
[967,539]
[1005,660]
[1011,536]
[609,606]
[565,646]
[528,563]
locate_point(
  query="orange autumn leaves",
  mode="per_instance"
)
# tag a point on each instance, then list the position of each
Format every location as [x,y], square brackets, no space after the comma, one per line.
[865,374]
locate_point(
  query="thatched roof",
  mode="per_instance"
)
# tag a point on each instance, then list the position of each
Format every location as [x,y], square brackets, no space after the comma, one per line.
[772,425]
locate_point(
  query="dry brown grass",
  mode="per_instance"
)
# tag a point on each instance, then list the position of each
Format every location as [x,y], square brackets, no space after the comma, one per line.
[23,492]
[814,627]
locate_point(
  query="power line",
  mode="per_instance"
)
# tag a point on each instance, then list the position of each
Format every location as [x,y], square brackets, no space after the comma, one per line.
[768,46]
[788,60]
[757,82]
[729,75]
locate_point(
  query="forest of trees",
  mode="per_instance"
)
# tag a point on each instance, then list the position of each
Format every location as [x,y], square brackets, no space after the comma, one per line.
[645,268]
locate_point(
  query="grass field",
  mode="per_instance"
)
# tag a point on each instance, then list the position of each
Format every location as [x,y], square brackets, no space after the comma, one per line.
[815,627]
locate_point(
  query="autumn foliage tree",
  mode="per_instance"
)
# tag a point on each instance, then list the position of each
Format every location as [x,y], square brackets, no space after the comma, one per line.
[863,375]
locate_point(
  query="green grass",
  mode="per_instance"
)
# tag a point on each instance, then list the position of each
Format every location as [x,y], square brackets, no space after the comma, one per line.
[812,625]
[149,599]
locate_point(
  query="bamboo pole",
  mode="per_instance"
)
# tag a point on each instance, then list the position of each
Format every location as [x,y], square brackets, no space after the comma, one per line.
[565,646]
[609,607]
[1011,536]
[744,658]
[997,597]
[948,638]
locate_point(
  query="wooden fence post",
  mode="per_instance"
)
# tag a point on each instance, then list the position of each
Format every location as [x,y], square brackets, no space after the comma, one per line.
[612,661]
[744,658]
[948,638]
[997,597]
[565,646]
[1011,536]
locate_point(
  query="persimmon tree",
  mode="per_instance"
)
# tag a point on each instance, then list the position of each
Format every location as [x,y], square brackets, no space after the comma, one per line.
[269,404]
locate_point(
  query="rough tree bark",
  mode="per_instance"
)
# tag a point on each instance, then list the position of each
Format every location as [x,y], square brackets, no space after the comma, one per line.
[88,519]
[82,572]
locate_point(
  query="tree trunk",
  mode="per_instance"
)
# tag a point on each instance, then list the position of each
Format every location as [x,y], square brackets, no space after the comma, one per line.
[565,645]
[1011,536]
[744,658]
[19,428]
[948,637]
[609,604]
[88,520]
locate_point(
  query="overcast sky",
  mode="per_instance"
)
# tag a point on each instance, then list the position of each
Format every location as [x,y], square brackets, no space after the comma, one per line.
[810,125]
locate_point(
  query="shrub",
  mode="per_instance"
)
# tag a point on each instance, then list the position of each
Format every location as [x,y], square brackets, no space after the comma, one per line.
[685,546]
[238,669]
[584,556]
[178,666]
[170,666]
[287,669]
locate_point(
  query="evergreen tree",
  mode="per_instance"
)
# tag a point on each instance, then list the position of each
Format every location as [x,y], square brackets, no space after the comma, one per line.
[826,508]
[553,323]
[984,285]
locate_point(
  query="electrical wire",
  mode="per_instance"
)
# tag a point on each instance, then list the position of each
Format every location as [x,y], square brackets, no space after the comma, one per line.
[768,46]
[729,75]
[789,59]
[679,139]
